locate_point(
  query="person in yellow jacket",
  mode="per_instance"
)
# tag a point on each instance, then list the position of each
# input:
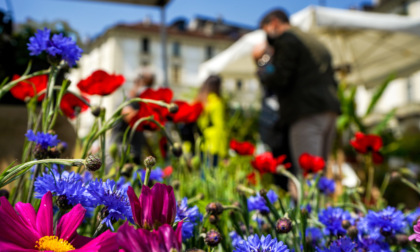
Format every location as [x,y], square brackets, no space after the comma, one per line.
[212,121]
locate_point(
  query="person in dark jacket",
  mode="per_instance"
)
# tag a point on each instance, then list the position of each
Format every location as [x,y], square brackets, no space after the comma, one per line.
[303,80]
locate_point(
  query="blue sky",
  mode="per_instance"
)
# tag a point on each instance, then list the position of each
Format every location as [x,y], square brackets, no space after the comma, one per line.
[92,18]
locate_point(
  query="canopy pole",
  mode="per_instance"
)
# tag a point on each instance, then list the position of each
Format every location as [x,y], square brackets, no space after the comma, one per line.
[163,44]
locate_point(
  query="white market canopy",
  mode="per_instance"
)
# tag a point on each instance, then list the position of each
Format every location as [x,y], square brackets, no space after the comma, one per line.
[373,45]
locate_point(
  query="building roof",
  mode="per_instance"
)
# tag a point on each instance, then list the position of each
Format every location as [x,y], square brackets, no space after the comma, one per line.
[200,27]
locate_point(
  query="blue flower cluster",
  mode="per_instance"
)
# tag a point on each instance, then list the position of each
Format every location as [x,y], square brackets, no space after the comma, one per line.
[45,140]
[344,244]
[190,216]
[77,189]
[332,219]
[67,184]
[263,244]
[411,218]
[258,202]
[113,199]
[385,222]
[314,236]
[58,46]
[326,186]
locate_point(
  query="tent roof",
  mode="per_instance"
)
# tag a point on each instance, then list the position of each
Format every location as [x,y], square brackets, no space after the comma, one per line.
[373,45]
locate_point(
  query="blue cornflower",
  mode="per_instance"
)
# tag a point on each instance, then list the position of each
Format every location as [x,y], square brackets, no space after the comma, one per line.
[235,238]
[326,186]
[385,222]
[258,202]
[344,244]
[67,184]
[332,219]
[265,244]
[45,140]
[116,203]
[372,245]
[190,216]
[412,217]
[314,235]
[38,43]
[58,45]
[122,185]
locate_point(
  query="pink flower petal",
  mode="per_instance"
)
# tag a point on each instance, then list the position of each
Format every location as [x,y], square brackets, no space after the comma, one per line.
[135,205]
[10,247]
[106,242]
[80,241]
[146,203]
[129,239]
[44,218]
[13,229]
[27,213]
[68,224]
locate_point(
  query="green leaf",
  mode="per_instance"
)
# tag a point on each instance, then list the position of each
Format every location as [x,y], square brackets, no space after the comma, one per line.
[378,94]
[381,126]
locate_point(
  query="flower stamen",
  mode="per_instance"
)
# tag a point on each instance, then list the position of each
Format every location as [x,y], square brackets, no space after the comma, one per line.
[53,243]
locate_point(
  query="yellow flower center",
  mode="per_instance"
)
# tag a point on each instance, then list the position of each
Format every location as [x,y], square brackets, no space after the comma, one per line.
[53,243]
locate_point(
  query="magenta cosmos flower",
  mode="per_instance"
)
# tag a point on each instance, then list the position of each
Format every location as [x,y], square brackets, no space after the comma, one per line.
[416,235]
[164,239]
[155,207]
[25,230]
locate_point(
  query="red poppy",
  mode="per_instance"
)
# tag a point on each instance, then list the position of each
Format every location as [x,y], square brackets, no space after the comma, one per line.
[101,83]
[242,148]
[187,113]
[365,143]
[159,113]
[311,164]
[70,102]
[267,163]
[377,158]
[167,171]
[29,87]
[252,178]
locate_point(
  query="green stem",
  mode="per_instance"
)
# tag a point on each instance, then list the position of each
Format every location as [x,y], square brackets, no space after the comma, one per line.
[31,187]
[385,183]
[410,184]
[147,176]
[47,103]
[297,184]
[371,174]
[19,170]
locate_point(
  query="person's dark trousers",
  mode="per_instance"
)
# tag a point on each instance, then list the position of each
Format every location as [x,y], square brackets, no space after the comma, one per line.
[282,149]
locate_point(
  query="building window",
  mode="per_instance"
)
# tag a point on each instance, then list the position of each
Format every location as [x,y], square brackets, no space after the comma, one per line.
[176,49]
[239,84]
[209,52]
[176,74]
[145,45]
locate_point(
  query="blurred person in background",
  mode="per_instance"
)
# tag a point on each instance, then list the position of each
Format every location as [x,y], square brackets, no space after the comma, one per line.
[303,80]
[212,121]
[272,132]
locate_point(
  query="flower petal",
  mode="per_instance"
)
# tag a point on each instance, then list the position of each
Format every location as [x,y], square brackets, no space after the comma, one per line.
[44,218]
[68,224]
[14,229]
[27,213]
[146,203]
[131,239]
[106,242]
[135,205]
